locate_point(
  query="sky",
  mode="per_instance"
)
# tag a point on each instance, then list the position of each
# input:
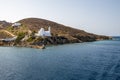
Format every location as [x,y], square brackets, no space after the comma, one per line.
[94,16]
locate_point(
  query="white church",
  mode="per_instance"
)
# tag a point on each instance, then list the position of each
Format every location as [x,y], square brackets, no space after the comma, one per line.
[44,33]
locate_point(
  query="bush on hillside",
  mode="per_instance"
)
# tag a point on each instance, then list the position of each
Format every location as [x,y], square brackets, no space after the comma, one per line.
[20,36]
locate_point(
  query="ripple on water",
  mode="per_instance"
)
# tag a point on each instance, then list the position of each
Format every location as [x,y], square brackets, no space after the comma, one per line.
[87,61]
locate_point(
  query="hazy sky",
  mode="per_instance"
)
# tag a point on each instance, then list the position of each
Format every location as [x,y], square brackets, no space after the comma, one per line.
[95,16]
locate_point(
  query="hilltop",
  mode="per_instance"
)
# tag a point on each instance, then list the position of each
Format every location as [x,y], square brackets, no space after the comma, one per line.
[34,24]
[61,34]
[4,24]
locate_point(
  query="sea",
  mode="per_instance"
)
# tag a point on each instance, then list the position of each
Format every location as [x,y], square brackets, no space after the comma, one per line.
[99,60]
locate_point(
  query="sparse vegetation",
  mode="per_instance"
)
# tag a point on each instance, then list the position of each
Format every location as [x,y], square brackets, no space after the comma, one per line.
[30,39]
[38,39]
[20,36]
[4,35]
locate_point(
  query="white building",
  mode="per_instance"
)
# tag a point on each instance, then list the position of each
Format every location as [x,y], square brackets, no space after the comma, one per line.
[43,33]
[16,24]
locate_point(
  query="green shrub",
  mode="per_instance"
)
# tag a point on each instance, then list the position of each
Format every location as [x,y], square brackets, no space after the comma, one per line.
[20,36]
[30,39]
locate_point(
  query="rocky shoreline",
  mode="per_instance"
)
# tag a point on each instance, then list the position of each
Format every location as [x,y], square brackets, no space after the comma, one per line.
[41,44]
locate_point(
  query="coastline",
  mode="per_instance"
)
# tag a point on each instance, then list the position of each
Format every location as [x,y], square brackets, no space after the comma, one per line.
[43,45]
[38,33]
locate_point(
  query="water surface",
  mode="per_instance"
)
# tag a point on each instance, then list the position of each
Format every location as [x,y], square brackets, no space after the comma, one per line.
[82,61]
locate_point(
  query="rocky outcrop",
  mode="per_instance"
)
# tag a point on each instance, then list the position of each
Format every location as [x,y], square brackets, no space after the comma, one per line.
[55,40]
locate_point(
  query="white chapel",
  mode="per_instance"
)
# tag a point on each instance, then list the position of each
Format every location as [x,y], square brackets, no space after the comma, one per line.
[44,33]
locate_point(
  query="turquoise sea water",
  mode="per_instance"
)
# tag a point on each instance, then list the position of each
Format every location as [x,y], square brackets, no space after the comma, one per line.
[98,60]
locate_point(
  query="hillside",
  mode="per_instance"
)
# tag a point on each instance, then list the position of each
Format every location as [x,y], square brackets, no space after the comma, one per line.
[34,24]
[4,34]
[61,34]
[4,24]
